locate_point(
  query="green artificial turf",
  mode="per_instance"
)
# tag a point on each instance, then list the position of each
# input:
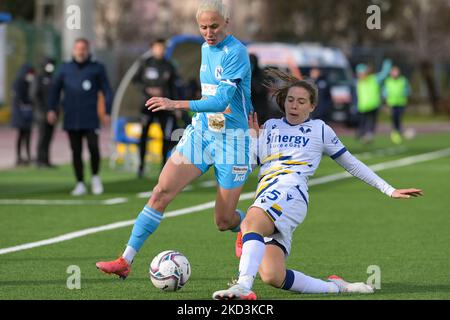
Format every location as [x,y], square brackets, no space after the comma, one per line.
[349,227]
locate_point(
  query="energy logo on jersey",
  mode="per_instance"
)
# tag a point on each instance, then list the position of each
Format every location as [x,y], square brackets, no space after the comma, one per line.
[290,140]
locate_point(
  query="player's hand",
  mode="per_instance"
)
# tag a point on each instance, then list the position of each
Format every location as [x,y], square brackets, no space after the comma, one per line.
[253,125]
[159,104]
[52,117]
[407,193]
[107,120]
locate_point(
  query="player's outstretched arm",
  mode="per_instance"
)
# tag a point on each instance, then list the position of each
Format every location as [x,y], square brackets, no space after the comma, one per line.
[364,173]
[156,104]
[407,193]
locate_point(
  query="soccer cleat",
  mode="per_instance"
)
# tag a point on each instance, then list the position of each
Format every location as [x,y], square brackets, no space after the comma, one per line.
[80,190]
[396,137]
[118,267]
[238,245]
[236,292]
[97,186]
[346,287]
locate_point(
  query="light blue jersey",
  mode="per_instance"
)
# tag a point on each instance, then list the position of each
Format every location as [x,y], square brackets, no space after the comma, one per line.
[225,76]
[219,135]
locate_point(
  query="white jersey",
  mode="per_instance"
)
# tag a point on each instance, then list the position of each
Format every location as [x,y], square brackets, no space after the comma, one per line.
[285,149]
[289,155]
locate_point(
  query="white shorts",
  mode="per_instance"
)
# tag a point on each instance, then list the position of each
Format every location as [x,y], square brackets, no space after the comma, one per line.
[285,202]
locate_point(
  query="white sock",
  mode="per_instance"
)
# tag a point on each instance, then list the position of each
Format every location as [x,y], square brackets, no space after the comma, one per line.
[129,254]
[299,282]
[252,254]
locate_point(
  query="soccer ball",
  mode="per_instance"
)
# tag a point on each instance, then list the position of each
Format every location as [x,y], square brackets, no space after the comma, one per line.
[170,270]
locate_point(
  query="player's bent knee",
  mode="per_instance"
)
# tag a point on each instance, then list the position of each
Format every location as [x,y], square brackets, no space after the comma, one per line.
[256,221]
[271,277]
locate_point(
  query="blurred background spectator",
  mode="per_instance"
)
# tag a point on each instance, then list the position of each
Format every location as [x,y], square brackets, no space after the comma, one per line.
[156,77]
[369,98]
[324,98]
[81,80]
[22,116]
[41,97]
[396,92]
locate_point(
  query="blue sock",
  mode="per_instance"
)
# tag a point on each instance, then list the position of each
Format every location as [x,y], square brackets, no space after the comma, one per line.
[242,216]
[146,224]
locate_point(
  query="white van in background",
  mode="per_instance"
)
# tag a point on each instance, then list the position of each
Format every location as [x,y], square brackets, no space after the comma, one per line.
[300,59]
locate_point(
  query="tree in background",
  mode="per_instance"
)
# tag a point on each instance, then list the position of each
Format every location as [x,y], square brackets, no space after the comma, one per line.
[24,11]
[416,28]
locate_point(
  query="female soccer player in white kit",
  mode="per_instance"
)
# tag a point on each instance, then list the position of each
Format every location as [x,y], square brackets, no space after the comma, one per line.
[290,150]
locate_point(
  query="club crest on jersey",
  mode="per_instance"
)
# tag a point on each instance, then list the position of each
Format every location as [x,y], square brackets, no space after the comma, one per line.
[218,73]
[87,85]
[305,131]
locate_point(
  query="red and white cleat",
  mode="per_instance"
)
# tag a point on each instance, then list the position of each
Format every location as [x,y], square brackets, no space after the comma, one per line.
[118,267]
[346,287]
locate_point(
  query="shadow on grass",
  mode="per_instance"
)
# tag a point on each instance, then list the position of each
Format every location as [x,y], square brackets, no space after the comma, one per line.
[62,190]
[106,279]
[396,288]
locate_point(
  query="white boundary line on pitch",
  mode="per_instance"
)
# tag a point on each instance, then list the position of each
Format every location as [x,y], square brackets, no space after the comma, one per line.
[335,177]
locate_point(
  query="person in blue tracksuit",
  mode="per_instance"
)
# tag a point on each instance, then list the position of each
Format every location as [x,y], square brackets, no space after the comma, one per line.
[81,80]
[218,136]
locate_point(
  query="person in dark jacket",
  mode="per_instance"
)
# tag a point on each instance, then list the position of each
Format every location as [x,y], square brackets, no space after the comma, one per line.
[81,80]
[156,77]
[325,100]
[22,113]
[41,97]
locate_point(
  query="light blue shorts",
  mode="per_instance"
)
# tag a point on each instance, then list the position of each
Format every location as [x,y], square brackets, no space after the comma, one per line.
[228,153]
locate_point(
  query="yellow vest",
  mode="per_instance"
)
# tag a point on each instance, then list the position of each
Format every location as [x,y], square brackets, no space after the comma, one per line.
[369,94]
[396,92]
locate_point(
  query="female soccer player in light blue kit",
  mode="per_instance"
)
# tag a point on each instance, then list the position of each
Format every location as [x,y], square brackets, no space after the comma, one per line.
[218,135]
[290,150]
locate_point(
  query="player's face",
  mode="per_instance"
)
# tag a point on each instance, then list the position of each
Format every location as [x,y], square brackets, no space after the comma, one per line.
[80,52]
[212,27]
[158,50]
[298,105]
[395,72]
